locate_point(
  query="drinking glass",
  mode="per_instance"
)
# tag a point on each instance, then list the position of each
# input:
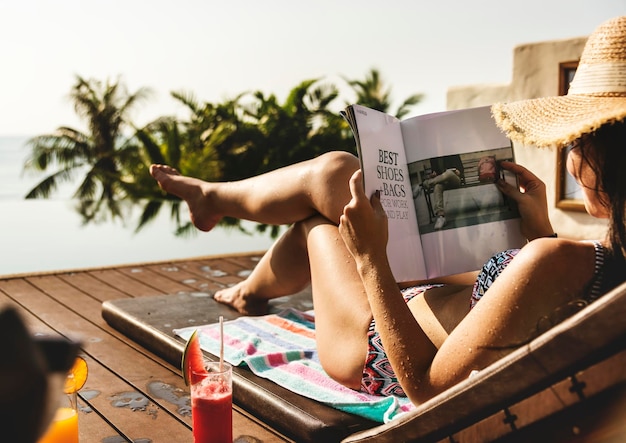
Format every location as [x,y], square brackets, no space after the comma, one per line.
[64,425]
[211,404]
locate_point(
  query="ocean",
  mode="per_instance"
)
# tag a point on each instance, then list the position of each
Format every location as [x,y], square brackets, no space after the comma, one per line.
[48,234]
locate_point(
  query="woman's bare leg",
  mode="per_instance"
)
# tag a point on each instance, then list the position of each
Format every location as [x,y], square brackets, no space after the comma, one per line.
[283,196]
[312,195]
[342,311]
[312,251]
[283,270]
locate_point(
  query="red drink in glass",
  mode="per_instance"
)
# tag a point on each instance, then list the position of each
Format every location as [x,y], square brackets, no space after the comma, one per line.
[211,405]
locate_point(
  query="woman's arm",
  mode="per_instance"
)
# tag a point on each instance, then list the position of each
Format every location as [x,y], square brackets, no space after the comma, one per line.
[422,370]
[543,278]
[363,227]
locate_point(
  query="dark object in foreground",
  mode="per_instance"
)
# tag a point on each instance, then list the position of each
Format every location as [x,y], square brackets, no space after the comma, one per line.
[32,372]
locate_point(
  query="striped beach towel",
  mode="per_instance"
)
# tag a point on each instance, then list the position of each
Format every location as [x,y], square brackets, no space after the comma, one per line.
[281,347]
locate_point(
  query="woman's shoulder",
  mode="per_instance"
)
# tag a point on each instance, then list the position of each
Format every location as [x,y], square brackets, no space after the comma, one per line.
[562,257]
[548,248]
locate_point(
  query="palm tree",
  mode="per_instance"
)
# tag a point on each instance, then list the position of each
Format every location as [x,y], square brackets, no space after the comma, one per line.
[280,134]
[373,93]
[236,139]
[302,127]
[98,153]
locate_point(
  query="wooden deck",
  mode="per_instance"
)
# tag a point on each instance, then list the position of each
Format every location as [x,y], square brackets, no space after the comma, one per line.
[131,394]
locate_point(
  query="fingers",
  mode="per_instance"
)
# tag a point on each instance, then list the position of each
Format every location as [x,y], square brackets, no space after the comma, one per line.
[507,189]
[360,200]
[356,185]
[377,205]
[524,174]
[528,181]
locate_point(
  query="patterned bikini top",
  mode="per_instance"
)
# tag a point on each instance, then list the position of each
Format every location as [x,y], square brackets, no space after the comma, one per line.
[496,264]
[596,286]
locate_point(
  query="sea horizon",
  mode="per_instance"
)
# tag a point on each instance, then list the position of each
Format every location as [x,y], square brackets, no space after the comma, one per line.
[40,235]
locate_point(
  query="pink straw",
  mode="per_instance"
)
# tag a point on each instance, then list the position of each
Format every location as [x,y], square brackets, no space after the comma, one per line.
[221,343]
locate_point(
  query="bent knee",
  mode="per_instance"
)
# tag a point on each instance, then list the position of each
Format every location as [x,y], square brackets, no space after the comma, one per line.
[348,372]
[337,162]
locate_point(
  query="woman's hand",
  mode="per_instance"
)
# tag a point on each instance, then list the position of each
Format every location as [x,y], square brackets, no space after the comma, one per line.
[363,224]
[531,200]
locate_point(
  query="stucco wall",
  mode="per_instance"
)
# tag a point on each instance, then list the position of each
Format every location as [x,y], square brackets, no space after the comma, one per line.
[536,74]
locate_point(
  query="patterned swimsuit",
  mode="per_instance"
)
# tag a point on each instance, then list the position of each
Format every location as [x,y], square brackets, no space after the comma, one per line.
[378,375]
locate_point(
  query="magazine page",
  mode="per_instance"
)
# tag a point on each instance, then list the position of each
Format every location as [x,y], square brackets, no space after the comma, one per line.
[453,159]
[383,162]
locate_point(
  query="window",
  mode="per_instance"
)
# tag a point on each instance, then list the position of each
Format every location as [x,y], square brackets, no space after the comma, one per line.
[566,75]
[568,192]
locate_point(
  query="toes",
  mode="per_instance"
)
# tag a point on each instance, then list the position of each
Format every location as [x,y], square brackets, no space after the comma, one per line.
[161,170]
[169,170]
[224,296]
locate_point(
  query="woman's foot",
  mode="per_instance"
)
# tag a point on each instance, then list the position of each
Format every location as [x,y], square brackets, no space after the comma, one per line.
[195,192]
[238,298]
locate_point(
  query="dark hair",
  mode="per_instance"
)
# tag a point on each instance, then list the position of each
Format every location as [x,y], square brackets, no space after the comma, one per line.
[605,152]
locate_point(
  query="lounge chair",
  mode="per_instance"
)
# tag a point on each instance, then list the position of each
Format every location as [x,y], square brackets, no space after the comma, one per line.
[563,385]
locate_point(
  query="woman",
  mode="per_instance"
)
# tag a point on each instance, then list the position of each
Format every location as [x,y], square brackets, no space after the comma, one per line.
[429,334]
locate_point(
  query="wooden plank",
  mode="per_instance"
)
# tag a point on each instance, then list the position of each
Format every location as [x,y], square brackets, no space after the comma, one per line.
[518,416]
[89,284]
[161,283]
[225,272]
[93,427]
[128,285]
[119,375]
[599,418]
[85,305]
[246,260]
[59,308]
[73,298]
[194,280]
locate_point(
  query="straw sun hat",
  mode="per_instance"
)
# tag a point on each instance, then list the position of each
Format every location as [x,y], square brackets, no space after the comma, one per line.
[597,95]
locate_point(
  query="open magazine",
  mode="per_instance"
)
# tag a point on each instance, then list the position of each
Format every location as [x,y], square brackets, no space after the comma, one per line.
[436,176]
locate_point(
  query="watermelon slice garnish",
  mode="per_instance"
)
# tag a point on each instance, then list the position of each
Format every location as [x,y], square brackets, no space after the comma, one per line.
[193,359]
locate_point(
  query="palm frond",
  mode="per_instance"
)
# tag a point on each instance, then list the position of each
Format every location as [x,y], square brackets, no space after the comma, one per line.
[408,103]
[149,213]
[45,187]
[187,99]
[88,187]
[152,148]
[186,230]
[67,149]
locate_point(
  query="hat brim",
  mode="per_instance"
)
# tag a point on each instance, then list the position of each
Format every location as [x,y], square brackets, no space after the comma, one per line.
[557,121]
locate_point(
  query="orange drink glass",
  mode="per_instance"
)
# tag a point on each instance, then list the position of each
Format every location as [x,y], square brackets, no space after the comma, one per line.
[64,425]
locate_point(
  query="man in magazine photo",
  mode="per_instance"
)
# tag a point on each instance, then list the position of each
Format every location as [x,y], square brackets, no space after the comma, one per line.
[446,174]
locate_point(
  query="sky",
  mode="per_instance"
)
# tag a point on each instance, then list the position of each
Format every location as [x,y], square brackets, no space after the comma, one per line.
[217,50]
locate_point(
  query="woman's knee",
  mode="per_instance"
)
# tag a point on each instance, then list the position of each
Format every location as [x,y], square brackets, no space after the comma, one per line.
[329,183]
[304,227]
[336,164]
